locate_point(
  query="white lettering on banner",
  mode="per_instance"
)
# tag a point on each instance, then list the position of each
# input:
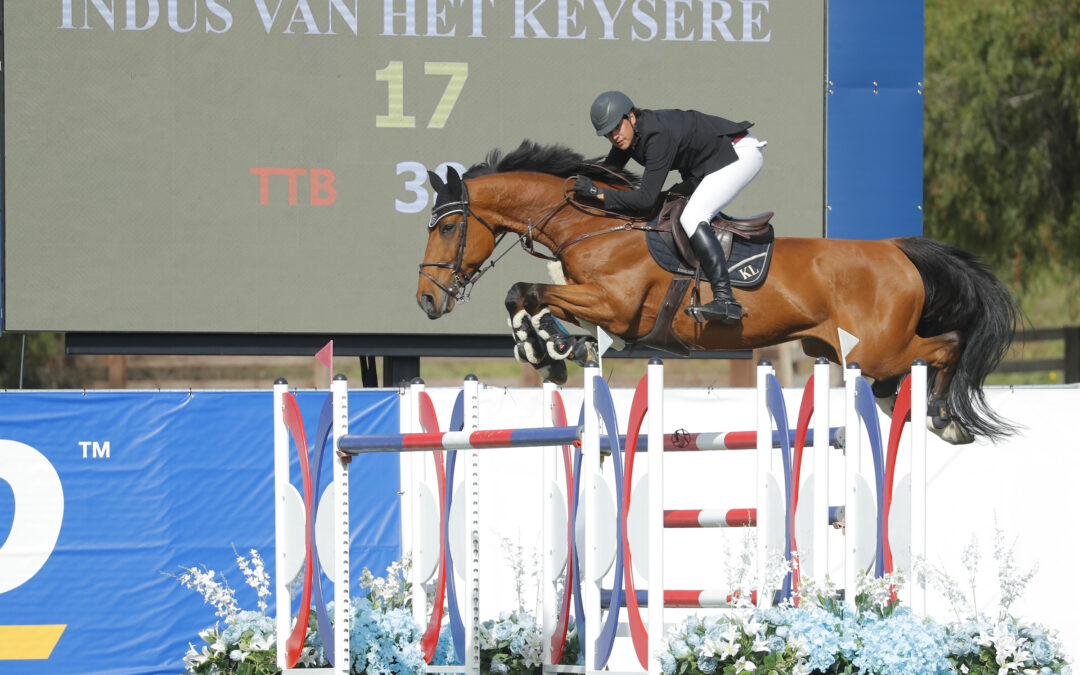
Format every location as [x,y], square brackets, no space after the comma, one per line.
[438,24]
[302,12]
[608,18]
[220,12]
[174,18]
[409,15]
[568,18]
[666,20]
[521,17]
[742,21]
[644,19]
[752,20]
[143,14]
[266,16]
[132,22]
[95,450]
[676,19]
[38,513]
[415,185]
[707,22]
[436,16]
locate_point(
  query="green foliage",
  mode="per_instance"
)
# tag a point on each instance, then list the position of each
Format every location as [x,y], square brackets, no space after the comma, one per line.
[43,364]
[1002,139]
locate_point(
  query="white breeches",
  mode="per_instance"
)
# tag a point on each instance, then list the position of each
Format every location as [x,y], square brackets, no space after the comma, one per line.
[720,187]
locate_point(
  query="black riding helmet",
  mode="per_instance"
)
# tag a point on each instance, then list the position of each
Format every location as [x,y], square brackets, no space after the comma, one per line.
[608,110]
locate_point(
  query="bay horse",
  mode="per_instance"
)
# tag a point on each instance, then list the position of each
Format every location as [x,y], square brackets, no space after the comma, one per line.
[897,299]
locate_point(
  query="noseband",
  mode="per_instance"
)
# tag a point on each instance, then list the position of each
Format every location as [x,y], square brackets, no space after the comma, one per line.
[462,281]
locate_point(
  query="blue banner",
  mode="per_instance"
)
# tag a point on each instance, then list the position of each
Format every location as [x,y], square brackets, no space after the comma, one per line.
[874,111]
[106,496]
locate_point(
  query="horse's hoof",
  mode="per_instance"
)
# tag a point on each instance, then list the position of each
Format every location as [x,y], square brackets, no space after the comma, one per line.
[585,350]
[886,404]
[519,353]
[520,326]
[937,414]
[559,347]
[553,371]
[533,353]
[885,388]
[953,433]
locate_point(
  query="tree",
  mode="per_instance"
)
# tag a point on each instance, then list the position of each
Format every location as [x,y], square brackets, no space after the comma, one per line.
[41,366]
[1002,140]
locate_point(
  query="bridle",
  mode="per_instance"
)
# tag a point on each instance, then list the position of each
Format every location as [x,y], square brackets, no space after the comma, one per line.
[462,281]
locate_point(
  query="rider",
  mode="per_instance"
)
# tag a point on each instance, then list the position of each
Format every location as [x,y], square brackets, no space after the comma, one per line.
[716,158]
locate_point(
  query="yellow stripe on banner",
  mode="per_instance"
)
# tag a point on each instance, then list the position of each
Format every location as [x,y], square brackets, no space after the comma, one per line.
[29,642]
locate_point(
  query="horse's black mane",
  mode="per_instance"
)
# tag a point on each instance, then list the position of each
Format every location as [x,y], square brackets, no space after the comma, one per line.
[554,159]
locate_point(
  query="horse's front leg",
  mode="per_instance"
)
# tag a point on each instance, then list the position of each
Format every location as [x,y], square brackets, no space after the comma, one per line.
[529,346]
[580,304]
[526,311]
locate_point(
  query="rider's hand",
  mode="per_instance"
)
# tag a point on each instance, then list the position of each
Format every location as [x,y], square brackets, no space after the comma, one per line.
[585,188]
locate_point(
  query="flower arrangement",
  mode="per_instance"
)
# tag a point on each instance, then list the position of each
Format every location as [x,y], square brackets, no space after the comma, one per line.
[384,641]
[383,638]
[513,645]
[815,640]
[816,634]
[247,645]
[979,643]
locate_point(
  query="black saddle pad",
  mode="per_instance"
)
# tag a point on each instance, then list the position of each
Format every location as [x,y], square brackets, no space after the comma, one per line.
[748,263]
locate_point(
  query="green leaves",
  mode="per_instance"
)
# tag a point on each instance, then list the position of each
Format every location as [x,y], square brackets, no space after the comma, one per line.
[1001,132]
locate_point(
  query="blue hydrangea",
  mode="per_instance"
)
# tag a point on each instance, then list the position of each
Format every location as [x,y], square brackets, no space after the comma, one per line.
[679,648]
[384,641]
[249,625]
[667,663]
[707,665]
[504,630]
[822,632]
[902,645]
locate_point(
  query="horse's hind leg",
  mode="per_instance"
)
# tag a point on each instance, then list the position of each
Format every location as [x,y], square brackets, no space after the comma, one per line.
[885,393]
[941,354]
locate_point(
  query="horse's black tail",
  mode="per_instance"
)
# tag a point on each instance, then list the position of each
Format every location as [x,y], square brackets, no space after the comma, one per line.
[962,295]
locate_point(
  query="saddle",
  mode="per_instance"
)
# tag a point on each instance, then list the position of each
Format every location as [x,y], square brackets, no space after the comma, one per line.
[747,244]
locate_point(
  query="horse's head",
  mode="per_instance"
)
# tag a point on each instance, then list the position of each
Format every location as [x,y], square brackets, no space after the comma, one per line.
[455,251]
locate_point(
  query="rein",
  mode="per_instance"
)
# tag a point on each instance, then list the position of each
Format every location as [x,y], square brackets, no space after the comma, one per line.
[463,281]
[626,225]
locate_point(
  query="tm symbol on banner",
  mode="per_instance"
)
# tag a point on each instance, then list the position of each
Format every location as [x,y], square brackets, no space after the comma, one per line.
[94,450]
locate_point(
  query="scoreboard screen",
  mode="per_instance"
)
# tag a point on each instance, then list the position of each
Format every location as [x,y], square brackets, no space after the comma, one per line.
[260,166]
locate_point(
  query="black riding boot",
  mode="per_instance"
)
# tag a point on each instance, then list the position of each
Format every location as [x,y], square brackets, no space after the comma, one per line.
[723,307]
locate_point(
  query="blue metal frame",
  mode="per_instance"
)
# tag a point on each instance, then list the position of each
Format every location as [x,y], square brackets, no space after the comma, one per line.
[874,113]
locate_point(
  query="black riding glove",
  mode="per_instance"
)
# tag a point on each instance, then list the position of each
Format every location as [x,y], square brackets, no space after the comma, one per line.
[586,189]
